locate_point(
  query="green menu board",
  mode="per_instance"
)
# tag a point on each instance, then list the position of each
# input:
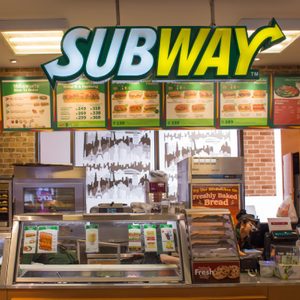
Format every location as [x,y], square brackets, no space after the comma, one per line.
[190,104]
[286,103]
[80,104]
[135,105]
[26,104]
[244,103]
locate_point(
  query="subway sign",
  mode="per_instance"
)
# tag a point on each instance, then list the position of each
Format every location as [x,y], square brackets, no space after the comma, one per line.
[164,54]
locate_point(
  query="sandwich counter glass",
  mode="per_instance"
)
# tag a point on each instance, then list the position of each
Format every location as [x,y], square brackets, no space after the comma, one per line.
[4,252]
[98,248]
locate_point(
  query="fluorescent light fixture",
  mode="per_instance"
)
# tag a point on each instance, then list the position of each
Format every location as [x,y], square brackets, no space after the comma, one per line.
[33,36]
[290,27]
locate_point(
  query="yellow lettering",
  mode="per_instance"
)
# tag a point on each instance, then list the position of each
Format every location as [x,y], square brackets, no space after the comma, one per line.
[221,38]
[187,58]
[248,50]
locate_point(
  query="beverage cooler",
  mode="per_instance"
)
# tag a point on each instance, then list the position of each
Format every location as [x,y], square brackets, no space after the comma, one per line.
[216,182]
[5,203]
[49,188]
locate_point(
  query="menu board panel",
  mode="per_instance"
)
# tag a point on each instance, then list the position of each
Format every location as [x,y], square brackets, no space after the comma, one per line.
[26,104]
[244,103]
[135,105]
[190,104]
[80,104]
[286,105]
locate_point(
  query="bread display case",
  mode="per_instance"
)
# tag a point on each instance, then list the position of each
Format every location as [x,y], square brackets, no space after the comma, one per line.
[98,248]
[213,247]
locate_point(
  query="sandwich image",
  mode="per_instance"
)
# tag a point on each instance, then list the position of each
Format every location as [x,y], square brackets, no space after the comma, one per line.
[244,94]
[258,107]
[229,94]
[135,108]
[190,94]
[229,107]
[287,91]
[205,94]
[244,107]
[148,95]
[175,94]
[150,108]
[45,241]
[119,95]
[182,108]
[259,94]
[198,107]
[135,94]
[120,108]
[73,96]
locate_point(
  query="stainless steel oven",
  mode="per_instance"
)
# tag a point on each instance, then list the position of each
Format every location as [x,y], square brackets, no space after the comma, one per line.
[49,188]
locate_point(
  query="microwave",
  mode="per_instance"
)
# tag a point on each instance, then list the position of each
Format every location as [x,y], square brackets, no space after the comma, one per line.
[49,188]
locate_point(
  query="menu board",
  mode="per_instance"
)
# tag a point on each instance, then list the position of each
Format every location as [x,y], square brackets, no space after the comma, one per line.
[244,103]
[134,237]
[26,104]
[190,104]
[80,104]
[217,196]
[29,240]
[91,238]
[135,105]
[167,237]
[286,105]
[150,238]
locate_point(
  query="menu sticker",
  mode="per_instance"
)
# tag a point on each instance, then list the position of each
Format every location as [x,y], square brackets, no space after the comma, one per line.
[286,105]
[190,104]
[47,239]
[29,239]
[135,104]
[150,238]
[91,238]
[134,238]
[26,104]
[244,103]
[80,104]
[167,237]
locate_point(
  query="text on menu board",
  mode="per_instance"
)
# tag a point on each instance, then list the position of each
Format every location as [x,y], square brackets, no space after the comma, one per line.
[170,53]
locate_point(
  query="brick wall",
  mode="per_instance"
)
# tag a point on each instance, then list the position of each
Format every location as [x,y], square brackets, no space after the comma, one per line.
[17,147]
[260,176]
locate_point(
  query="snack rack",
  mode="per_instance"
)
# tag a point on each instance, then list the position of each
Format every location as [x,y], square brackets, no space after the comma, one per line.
[213,247]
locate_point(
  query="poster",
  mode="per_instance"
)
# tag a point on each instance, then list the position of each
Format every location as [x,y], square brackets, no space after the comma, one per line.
[117,165]
[286,103]
[47,239]
[26,104]
[175,145]
[150,238]
[29,240]
[190,104]
[167,237]
[91,238]
[244,103]
[134,237]
[135,105]
[217,196]
[80,104]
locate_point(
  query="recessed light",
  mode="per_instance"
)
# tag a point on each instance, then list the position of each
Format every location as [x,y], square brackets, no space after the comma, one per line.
[13,61]
[256,58]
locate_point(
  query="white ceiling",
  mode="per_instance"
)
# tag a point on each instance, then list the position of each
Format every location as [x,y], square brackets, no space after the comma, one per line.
[94,13]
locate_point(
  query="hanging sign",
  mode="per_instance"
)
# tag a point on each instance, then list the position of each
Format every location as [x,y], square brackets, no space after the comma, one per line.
[168,53]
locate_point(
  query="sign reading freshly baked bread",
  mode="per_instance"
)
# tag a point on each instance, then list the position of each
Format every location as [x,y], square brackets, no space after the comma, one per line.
[168,53]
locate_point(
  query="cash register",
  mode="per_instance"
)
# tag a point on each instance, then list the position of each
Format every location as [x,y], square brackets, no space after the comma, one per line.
[277,236]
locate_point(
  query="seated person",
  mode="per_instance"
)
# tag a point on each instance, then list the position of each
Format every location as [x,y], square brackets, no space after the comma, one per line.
[245,226]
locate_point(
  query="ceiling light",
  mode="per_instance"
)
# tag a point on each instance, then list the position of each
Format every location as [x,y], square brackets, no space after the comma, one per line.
[34,36]
[256,58]
[13,61]
[290,27]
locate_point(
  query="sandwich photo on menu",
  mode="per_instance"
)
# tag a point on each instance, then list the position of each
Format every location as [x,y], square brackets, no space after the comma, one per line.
[71,96]
[45,241]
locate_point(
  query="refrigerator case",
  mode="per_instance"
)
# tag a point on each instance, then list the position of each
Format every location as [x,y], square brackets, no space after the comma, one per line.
[97,248]
[212,182]
[213,248]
